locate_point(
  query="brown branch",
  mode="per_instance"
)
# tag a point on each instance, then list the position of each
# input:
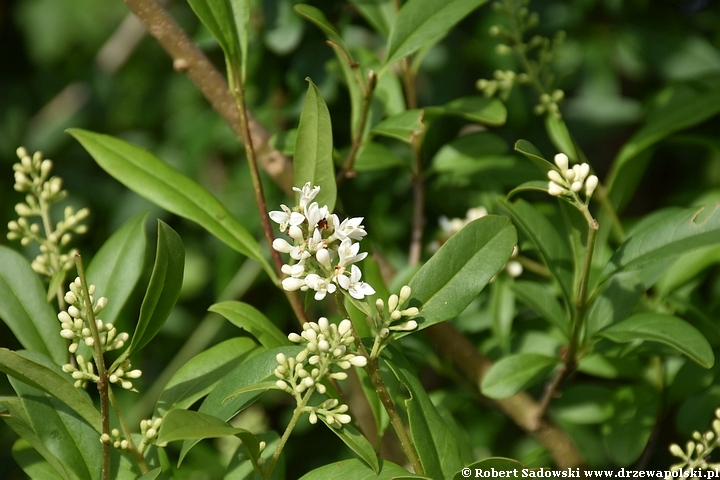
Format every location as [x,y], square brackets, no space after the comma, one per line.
[521,407]
[188,58]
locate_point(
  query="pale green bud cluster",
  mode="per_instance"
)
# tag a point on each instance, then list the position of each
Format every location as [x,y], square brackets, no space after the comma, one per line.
[549,103]
[32,175]
[149,429]
[81,375]
[116,440]
[332,411]
[121,374]
[393,318]
[570,181]
[326,347]
[697,451]
[502,83]
[74,321]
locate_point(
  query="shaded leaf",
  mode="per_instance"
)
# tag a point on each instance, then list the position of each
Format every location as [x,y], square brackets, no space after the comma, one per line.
[357,443]
[118,265]
[405,126]
[421,22]
[378,13]
[558,132]
[461,268]
[376,156]
[24,309]
[627,432]
[531,186]
[187,424]
[530,151]
[515,373]
[541,298]
[313,148]
[203,372]
[32,463]
[37,371]
[469,153]
[251,319]
[150,177]
[666,329]
[357,470]
[477,108]
[491,465]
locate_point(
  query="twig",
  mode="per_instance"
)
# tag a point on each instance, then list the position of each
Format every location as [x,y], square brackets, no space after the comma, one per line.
[188,58]
[128,435]
[347,168]
[418,221]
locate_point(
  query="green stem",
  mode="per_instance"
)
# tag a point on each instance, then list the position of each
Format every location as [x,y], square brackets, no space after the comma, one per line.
[347,169]
[137,455]
[103,383]
[373,370]
[293,421]
[238,93]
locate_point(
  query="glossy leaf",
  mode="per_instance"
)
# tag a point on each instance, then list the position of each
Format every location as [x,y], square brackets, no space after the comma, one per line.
[666,329]
[686,268]
[65,435]
[164,288]
[118,265]
[515,373]
[491,465]
[251,372]
[357,443]
[676,233]
[615,301]
[461,268]
[436,444]
[531,152]
[203,372]
[477,108]
[313,148]
[405,126]
[38,372]
[188,424]
[251,319]
[150,177]
[376,156]
[541,299]
[378,13]
[24,309]
[551,245]
[357,470]
[685,109]
[531,186]
[558,132]
[420,22]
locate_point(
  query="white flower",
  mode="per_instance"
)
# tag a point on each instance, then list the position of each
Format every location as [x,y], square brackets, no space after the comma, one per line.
[286,217]
[291,284]
[321,286]
[351,228]
[315,214]
[307,194]
[348,253]
[355,287]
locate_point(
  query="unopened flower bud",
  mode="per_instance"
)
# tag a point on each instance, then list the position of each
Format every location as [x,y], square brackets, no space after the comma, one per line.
[590,185]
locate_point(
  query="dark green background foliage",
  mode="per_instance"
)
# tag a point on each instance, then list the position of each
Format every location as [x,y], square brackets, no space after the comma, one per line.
[620,63]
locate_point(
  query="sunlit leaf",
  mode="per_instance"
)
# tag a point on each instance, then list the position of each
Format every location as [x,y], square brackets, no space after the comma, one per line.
[249,318]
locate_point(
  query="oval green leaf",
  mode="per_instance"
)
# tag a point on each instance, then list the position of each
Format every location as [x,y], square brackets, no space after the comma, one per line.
[187,424]
[515,373]
[531,152]
[117,266]
[24,309]
[477,108]
[150,177]
[461,268]
[313,148]
[404,126]
[251,319]
[666,329]
[357,443]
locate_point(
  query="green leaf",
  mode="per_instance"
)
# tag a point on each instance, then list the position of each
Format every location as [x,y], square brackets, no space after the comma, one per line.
[461,268]
[357,443]
[313,148]
[515,373]
[150,177]
[356,470]
[552,246]
[164,288]
[378,13]
[686,268]
[420,22]
[627,432]
[530,151]
[240,469]
[502,308]
[187,424]
[203,372]
[403,126]
[263,386]
[32,463]
[685,109]
[531,186]
[469,153]
[477,108]
[615,301]
[558,132]
[436,444]
[584,404]
[491,465]
[376,156]
[64,434]
[251,319]
[152,474]
[317,17]
[666,329]
[251,372]
[541,298]
[37,371]
[118,265]
[677,233]
[24,309]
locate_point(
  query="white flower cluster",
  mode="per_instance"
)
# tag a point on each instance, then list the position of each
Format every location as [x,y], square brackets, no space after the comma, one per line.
[697,453]
[325,347]
[324,249]
[32,175]
[81,375]
[571,181]
[450,227]
[74,321]
[384,324]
